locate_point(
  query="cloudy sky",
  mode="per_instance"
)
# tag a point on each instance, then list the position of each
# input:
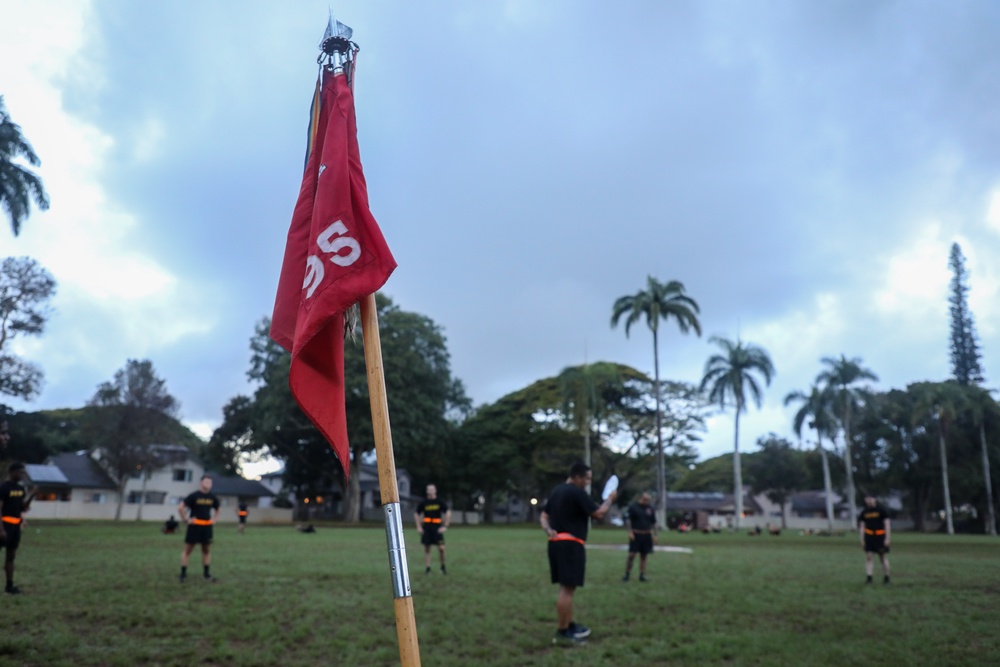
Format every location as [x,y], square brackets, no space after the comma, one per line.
[803,169]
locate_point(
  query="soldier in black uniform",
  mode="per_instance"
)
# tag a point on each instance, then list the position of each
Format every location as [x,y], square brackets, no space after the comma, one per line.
[203,506]
[875,531]
[14,501]
[641,520]
[432,517]
[565,520]
[241,512]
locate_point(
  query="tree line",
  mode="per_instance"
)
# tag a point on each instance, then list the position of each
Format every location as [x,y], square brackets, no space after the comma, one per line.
[932,440]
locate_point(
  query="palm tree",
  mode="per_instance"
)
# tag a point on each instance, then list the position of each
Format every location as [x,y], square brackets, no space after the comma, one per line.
[943,400]
[659,301]
[982,405]
[817,408]
[18,185]
[581,388]
[844,378]
[728,378]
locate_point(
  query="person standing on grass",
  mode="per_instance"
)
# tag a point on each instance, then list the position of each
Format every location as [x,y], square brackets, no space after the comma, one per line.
[565,520]
[241,513]
[875,532]
[203,506]
[432,517]
[641,521]
[14,501]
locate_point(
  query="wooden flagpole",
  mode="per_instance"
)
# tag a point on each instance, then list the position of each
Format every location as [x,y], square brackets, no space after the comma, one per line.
[406,625]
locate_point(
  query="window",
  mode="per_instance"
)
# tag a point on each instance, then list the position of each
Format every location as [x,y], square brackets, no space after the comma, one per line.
[182,475]
[155,497]
[133,497]
[98,498]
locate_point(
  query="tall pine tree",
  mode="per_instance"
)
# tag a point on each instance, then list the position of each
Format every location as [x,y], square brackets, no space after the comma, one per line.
[966,361]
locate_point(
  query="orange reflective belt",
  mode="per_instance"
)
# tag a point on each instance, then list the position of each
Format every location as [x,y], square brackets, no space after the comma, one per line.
[243,513]
[566,537]
[12,520]
[201,522]
[429,520]
[874,532]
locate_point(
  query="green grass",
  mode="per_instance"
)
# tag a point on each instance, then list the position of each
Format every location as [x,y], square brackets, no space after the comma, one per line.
[106,594]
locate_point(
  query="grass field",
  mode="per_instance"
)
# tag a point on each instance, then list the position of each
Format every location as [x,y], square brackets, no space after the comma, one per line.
[107,594]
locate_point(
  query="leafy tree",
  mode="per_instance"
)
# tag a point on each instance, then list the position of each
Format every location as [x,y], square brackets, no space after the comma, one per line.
[966,361]
[426,404]
[777,470]
[18,184]
[729,377]
[659,301]
[817,408]
[581,388]
[25,289]
[844,378]
[132,414]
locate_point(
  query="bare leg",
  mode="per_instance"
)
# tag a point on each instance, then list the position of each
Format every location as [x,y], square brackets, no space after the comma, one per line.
[186,554]
[206,555]
[427,556]
[8,566]
[441,553]
[564,606]
[628,564]
[642,564]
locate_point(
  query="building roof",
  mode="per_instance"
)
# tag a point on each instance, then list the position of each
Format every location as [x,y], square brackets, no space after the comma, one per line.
[46,474]
[237,486]
[81,471]
[708,501]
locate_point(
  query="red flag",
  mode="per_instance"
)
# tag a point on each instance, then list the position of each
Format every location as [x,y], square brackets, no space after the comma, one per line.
[334,256]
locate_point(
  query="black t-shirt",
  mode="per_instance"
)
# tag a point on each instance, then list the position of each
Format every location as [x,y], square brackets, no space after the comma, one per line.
[873,517]
[201,505]
[12,496]
[433,511]
[242,509]
[569,508]
[641,517]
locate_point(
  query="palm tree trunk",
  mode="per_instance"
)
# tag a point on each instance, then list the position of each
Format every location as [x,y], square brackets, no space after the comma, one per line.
[121,499]
[827,485]
[661,479]
[849,461]
[944,476]
[142,496]
[991,518]
[352,497]
[737,473]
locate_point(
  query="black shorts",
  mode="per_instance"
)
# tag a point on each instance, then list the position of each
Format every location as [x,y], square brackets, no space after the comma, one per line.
[431,537]
[198,534]
[243,519]
[642,544]
[13,540]
[876,544]
[567,562]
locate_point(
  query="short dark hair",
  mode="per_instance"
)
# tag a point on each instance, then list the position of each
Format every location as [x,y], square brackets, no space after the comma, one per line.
[579,469]
[206,476]
[15,466]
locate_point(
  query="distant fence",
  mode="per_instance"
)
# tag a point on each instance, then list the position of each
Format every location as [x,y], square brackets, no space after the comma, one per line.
[74,509]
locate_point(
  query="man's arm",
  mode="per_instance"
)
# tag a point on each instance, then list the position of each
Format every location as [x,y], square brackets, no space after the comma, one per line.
[416,520]
[543,519]
[888,531]
[447,521]
[182,511]
[605,506]
[861,531]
